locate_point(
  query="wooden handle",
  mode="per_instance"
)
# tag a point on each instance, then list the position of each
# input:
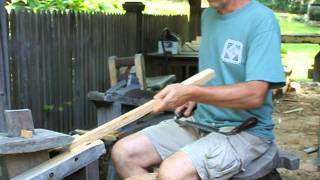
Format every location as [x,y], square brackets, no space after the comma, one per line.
[133,115]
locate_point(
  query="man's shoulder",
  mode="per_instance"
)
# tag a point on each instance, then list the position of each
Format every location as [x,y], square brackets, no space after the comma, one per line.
[207,12]
[262,12]
[263,18]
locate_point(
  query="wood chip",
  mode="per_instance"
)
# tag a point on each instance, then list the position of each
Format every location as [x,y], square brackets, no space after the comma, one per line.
[290,100]
[26,133]
[150,176]
[293,110]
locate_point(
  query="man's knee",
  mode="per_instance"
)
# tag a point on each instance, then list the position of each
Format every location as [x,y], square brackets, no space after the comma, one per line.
[167,171]
[175,169]
[135,149]
[122,150]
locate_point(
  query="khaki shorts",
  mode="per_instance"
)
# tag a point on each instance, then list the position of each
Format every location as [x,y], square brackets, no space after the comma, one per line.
[215,156]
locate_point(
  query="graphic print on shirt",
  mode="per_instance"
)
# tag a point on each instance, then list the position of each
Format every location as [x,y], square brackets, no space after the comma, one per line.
[232,52]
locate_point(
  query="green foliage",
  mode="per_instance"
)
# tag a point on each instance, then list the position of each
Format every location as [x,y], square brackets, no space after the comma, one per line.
[293,6]
[48,108]
[109,6]
[75,5]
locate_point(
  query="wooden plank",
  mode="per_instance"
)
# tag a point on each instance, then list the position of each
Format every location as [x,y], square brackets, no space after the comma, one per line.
[140,70]
[301,38]
[42,62]
[14,57]
[42,139]
[37,69]
[112,70]
[33,67]
[23,27]
[86,75]
[4,65]
[59,76]
[62,166]
[48,104]
[79,73]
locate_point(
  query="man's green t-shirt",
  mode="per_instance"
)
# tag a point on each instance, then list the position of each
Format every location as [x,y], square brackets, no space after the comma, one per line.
[243,45]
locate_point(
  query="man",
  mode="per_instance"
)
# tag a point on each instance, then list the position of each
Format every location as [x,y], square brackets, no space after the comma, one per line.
[241,42]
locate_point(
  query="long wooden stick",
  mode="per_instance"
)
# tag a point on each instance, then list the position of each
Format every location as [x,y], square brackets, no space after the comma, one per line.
[131,116]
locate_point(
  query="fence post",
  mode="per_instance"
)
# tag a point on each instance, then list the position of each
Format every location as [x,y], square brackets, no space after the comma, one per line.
[4,66]
[136,8]
[195,19]
[316,69]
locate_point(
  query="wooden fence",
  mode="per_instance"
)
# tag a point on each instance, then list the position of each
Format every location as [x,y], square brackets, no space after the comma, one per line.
[56,58]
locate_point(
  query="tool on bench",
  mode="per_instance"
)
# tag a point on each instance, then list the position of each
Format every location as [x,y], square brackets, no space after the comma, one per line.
[247,124]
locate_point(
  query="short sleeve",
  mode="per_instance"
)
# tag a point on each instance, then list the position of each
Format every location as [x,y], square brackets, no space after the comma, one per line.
[264,59]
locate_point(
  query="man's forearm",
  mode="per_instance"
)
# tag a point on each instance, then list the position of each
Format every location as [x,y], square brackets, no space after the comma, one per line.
[242,95]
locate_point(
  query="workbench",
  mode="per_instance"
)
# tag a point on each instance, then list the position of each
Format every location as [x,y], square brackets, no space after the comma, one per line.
[182,65]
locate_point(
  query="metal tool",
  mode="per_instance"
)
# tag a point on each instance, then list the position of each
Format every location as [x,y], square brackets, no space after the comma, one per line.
[247,124]
[180,114]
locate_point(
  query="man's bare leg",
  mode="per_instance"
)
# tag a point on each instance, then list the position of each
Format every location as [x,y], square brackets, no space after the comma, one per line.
[178,167]
[133,154]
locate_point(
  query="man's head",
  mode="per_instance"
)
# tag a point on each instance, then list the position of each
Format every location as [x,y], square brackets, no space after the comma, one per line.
[219,4]
[224,6]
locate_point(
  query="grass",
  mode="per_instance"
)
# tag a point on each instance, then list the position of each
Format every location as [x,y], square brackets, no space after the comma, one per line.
[299,57]
[291,23]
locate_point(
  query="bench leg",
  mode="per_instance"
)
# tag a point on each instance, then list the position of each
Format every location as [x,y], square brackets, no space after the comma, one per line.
[316,70]
[90,172]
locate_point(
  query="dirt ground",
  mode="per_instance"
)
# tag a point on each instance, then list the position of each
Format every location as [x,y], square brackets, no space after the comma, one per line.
[297,131]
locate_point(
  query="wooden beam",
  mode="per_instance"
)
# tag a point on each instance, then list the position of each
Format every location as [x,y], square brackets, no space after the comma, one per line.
[131,116]
[301,38]
[140,70]
[112,70]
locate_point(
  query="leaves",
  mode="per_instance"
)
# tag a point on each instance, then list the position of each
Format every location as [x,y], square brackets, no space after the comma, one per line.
[75,5]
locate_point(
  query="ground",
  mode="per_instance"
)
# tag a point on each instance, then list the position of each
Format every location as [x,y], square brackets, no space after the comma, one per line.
[298,130]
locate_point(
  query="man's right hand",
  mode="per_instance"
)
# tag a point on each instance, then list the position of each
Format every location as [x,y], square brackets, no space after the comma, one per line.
[186,109]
